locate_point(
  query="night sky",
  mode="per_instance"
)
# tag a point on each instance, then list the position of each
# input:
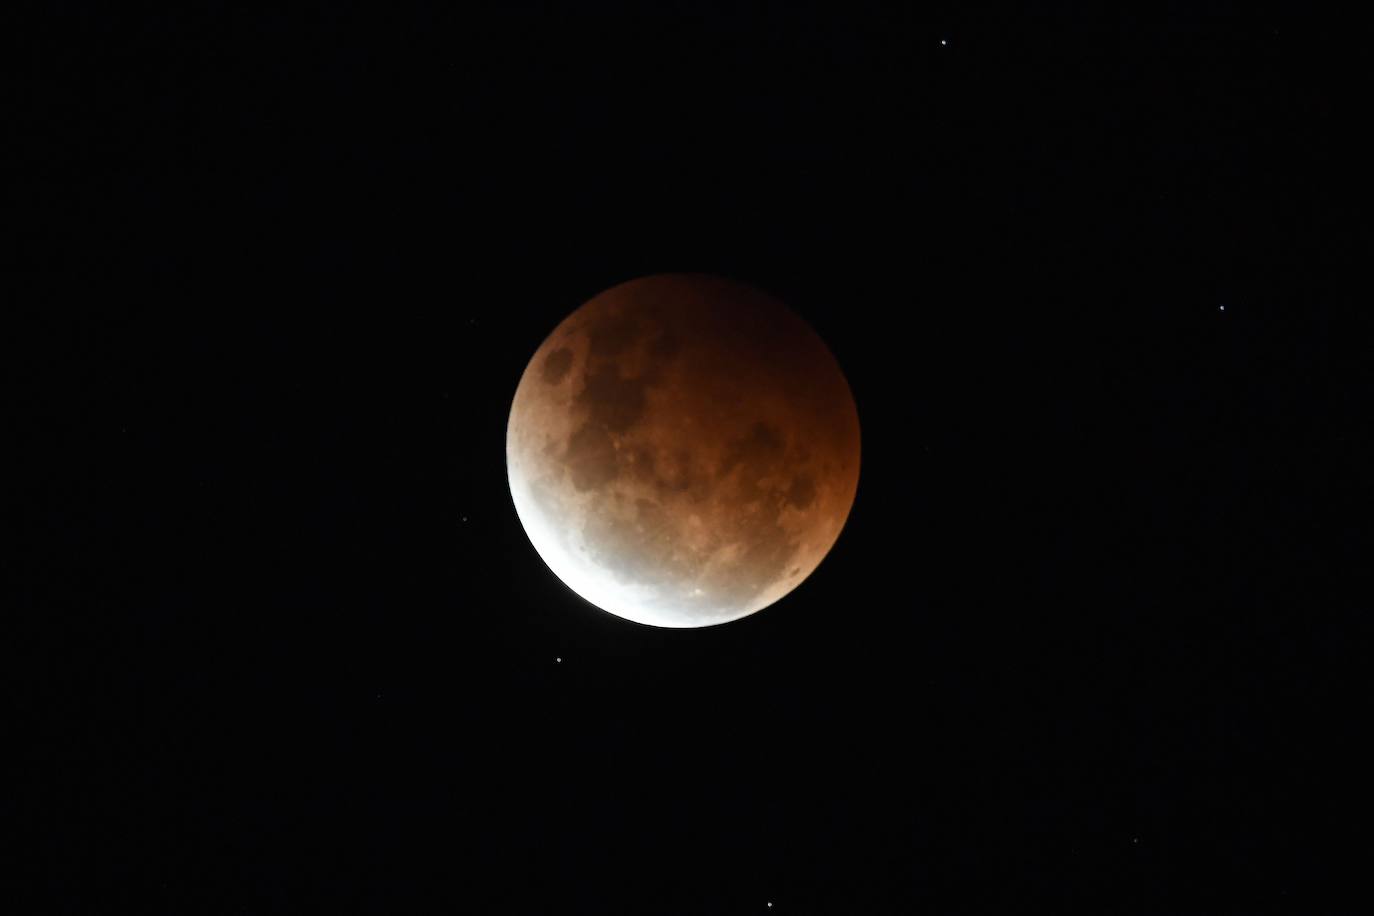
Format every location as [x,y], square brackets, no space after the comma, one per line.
[1094,638]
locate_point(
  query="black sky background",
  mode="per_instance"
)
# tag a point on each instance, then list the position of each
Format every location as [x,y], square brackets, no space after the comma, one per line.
[1093,639]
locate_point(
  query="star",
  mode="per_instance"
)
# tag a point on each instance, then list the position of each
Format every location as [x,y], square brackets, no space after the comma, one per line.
[1222,307]
[559,660]
[943,43]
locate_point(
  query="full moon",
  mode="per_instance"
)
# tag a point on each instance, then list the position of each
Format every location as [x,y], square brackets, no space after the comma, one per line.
[683,450]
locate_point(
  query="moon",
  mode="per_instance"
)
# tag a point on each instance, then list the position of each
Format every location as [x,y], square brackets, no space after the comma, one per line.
[683,450]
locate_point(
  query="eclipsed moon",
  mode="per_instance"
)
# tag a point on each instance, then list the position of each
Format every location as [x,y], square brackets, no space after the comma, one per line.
[683,450]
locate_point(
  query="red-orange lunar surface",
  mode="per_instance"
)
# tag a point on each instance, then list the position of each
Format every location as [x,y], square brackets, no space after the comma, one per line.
[683,450]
